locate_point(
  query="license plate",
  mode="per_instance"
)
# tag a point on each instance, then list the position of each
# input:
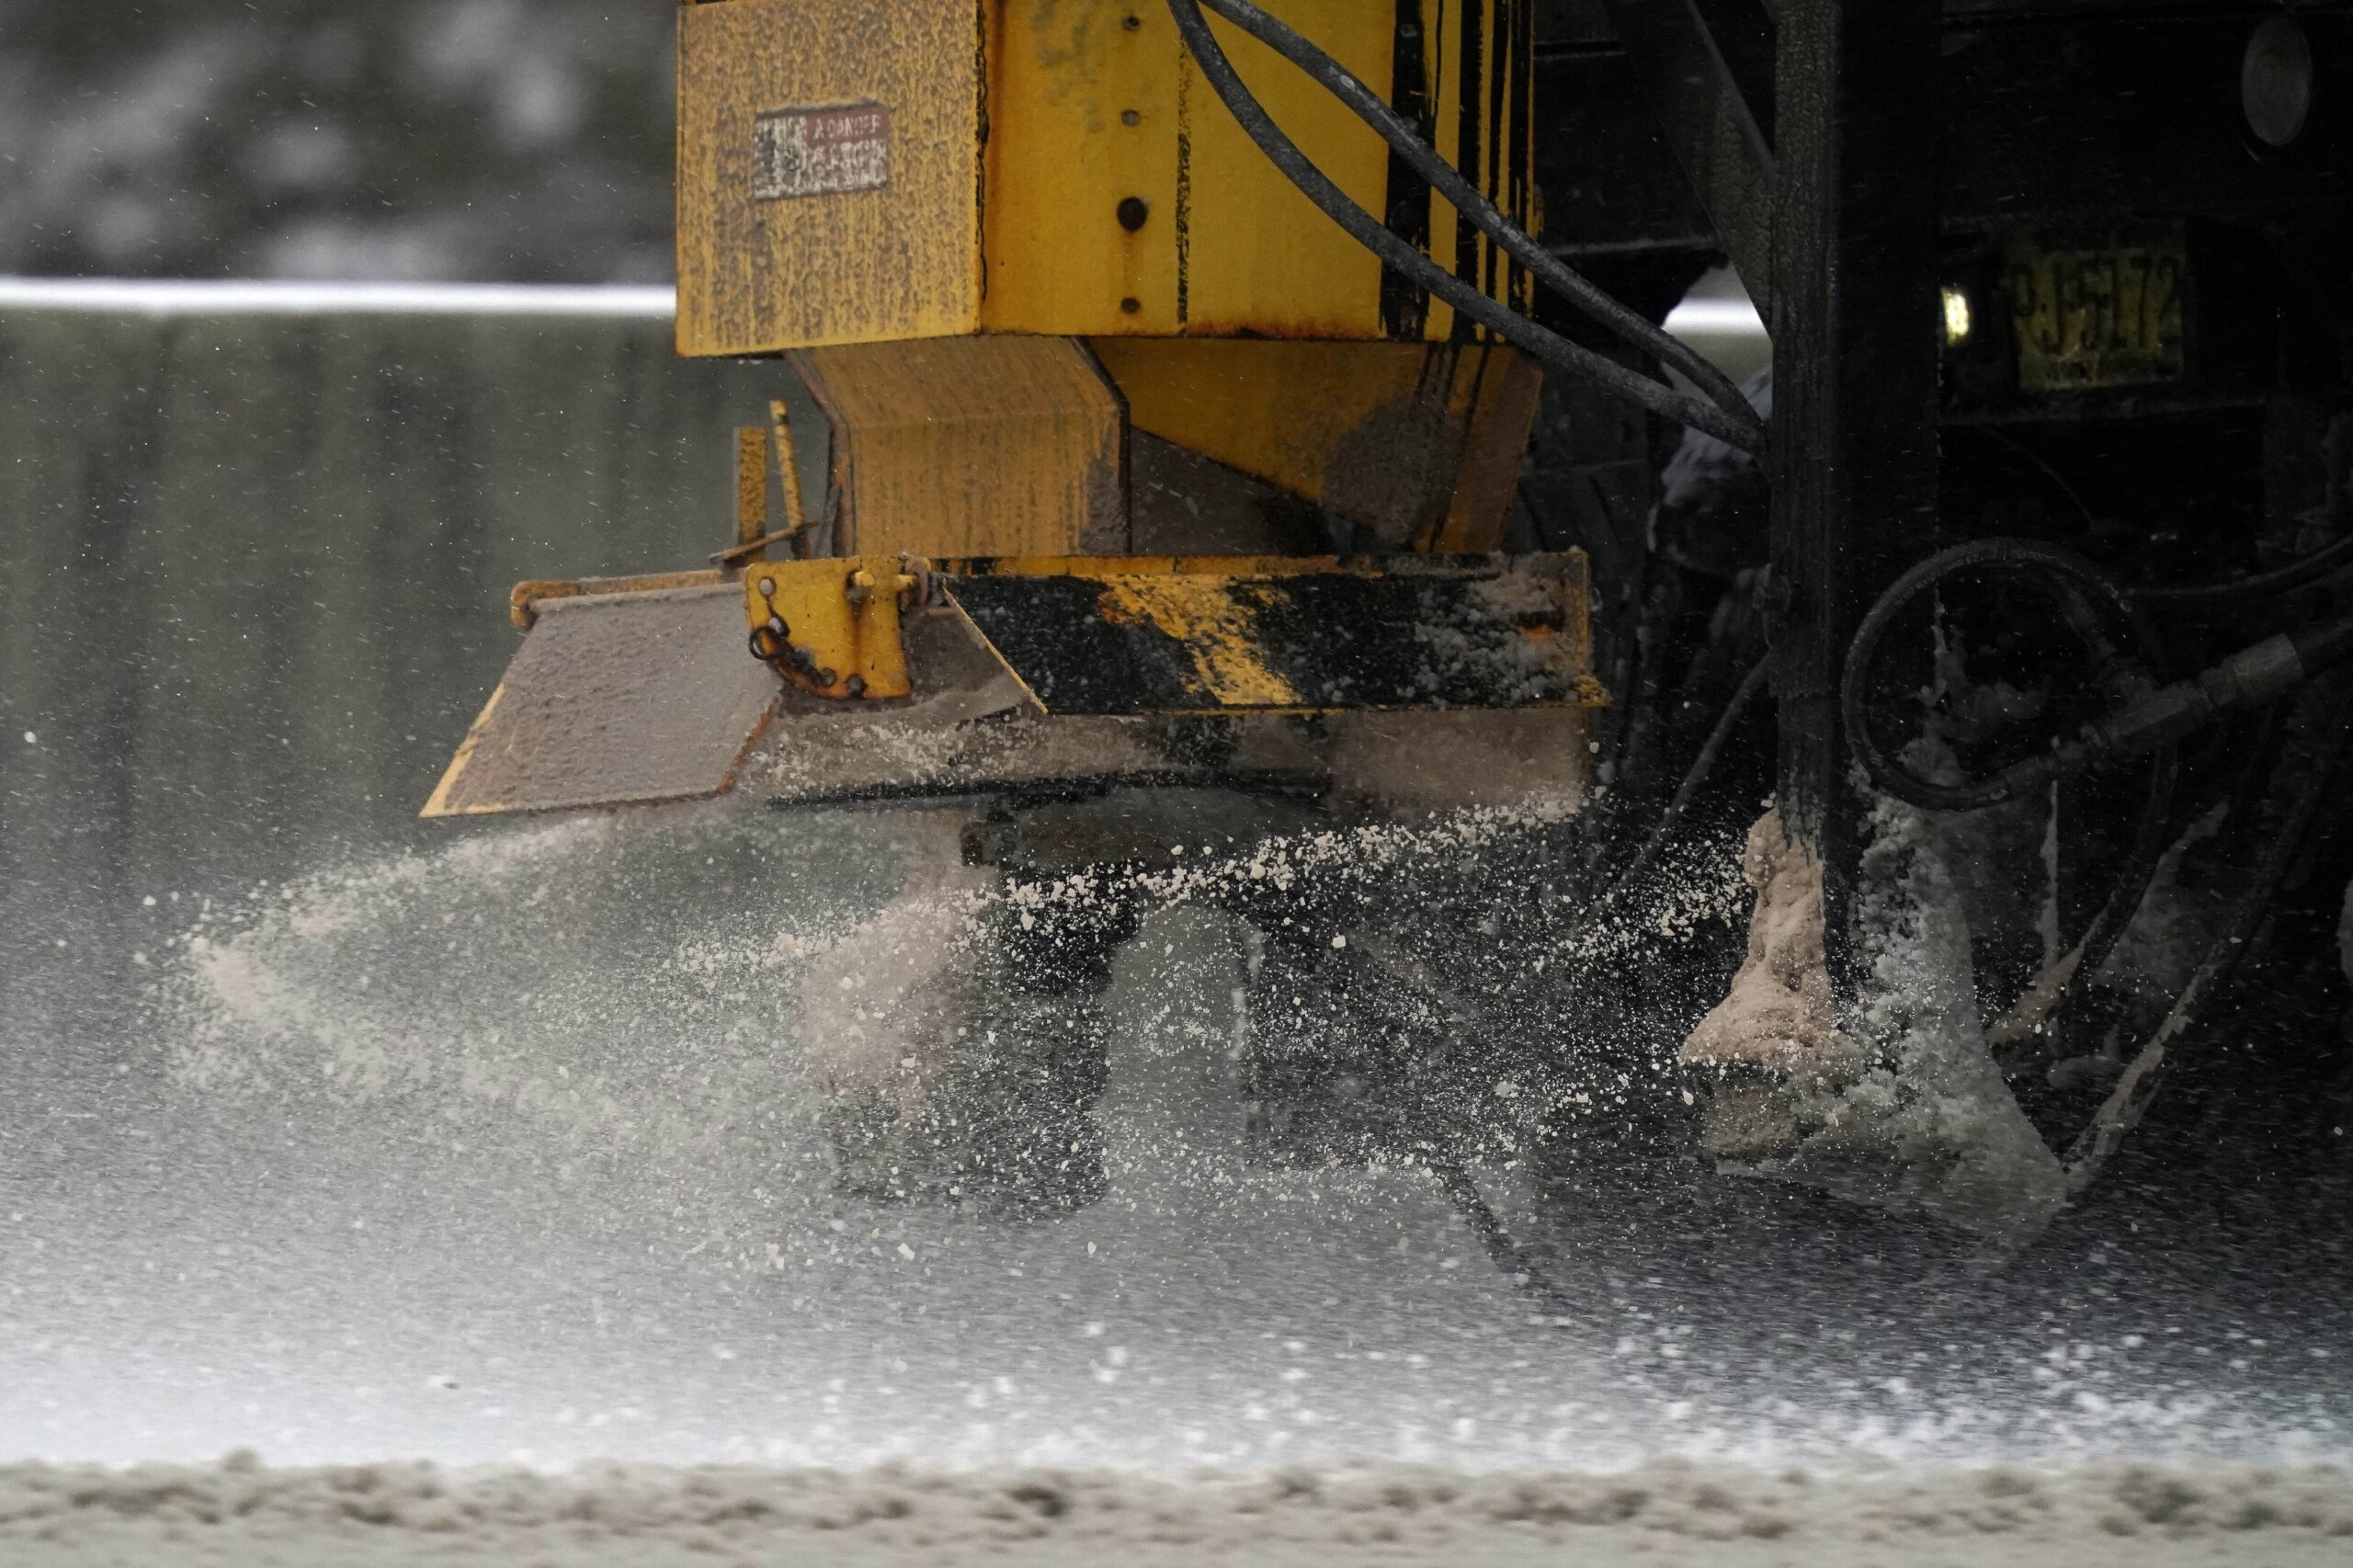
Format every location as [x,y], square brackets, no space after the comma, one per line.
[2095,315]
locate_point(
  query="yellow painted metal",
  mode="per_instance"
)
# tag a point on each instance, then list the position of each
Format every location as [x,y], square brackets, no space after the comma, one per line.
[1224,243]
[1484,122]
[830,627]
[998,446]
[1421,444]
[756,276]
[788,462]
[1494,447]
[1144,565]
[1204,634]
[751,490]
[1201,614]
[523,603]
[1065,80]
[754,537]
[1109,194]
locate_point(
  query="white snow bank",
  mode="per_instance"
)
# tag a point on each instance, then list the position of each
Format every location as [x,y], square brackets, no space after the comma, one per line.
[240,1512]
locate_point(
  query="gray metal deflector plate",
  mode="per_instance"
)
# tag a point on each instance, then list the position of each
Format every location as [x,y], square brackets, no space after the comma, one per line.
[617,700]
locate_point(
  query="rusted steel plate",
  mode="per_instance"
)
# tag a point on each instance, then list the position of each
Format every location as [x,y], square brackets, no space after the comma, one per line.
[1113,642]
[617,700]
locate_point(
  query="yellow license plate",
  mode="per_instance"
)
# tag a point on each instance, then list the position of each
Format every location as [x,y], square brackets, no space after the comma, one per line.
[2109,314]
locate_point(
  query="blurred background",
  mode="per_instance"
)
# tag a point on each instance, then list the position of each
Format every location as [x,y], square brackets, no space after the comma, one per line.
[316,505]
[516,140]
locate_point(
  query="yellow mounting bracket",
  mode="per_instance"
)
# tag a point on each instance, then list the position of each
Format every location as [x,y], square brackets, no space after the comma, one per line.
[830,627]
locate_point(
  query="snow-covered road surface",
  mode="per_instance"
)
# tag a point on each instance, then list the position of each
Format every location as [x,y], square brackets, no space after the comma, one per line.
[490,1156]
[605,1517]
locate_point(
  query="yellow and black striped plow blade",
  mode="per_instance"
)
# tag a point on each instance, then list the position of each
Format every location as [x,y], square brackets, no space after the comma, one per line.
[1109,637]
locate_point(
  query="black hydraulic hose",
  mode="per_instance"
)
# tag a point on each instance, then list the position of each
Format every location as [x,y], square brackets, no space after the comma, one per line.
[2148,721]
[1546,346]
[2250,678]
[1474,204]
[2046,564]
[2311,568]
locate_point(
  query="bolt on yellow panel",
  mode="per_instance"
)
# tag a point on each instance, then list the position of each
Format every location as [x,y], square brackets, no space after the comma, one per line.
[1082,188]
[1123,198]
[832,626]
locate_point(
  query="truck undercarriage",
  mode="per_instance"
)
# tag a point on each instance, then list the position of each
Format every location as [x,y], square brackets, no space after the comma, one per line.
[1888,773]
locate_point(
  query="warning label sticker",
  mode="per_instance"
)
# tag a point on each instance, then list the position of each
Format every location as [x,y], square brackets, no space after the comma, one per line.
[821,151]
